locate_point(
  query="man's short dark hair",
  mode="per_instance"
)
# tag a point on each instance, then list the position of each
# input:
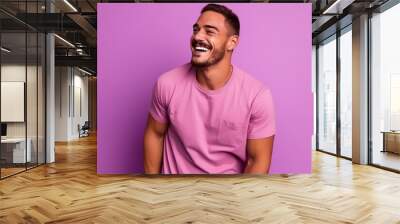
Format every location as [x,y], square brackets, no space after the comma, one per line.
[231,18]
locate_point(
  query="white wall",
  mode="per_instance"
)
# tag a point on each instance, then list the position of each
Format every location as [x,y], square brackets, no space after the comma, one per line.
[15,72]
[70,83]
[61,103]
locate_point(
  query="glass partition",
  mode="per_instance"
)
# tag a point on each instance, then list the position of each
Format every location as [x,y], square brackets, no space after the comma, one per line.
[32,95]
[41,91]
[13,110]
[327,95]
[22,78]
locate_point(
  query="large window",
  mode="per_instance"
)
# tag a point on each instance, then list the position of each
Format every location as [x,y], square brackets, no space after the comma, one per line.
[346,92]
[385,88]
[327,95]
[334,60]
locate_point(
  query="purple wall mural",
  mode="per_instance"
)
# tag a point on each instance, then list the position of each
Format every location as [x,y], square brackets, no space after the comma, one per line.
[139,42]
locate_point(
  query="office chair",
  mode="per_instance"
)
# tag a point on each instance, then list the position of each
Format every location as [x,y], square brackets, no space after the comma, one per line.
[84,130]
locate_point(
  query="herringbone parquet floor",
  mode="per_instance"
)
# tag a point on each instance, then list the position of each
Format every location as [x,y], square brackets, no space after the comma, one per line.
[70,191]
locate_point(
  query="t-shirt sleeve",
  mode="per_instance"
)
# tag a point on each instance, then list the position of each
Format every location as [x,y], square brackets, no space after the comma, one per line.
[262,118]
[159,107]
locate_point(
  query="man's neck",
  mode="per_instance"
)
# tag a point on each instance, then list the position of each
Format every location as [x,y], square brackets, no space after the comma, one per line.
[215,76]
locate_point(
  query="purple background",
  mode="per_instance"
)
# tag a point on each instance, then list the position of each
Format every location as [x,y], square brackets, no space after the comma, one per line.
[138,42]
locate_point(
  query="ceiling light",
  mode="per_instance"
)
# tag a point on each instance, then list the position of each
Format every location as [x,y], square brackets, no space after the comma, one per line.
[331,7]
[64,40]
[86,72]
[70,5]
[5,50]
[338,6]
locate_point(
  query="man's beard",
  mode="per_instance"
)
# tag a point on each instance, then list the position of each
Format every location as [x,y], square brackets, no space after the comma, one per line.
[214,59]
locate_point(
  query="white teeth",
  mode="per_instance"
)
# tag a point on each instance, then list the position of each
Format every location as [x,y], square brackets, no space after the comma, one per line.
[201,49]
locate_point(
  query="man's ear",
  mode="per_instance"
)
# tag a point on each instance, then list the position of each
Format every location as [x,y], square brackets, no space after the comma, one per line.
[233,42]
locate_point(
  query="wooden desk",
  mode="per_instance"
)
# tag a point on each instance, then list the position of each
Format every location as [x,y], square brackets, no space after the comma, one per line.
[391,141]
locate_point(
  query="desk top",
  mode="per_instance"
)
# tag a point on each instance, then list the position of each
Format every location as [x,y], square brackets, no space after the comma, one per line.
[14,140]
[390,132]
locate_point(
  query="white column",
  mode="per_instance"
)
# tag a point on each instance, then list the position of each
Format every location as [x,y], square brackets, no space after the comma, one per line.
[360,90]
[50,92]
[50,100]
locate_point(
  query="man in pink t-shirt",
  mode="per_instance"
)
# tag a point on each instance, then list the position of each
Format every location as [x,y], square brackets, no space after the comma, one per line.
[208,116]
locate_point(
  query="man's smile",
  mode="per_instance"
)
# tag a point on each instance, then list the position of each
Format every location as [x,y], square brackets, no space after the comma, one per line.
[202,49]
[199,47]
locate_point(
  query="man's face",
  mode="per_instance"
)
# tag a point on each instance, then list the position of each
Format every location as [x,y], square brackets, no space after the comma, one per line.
[209,39]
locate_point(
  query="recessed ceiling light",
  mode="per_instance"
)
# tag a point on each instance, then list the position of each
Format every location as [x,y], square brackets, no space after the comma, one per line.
[86,72]
[337,7]
[70,5]
[64,40]
[5,50]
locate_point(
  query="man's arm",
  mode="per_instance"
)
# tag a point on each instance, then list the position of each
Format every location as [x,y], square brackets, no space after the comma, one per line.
[153,145]
[259,153]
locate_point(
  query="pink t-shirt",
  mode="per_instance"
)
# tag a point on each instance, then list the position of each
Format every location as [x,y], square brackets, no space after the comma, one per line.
[208,128]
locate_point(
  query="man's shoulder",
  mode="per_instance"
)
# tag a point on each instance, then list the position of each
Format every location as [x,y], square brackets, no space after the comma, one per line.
[251,84]
[174,75]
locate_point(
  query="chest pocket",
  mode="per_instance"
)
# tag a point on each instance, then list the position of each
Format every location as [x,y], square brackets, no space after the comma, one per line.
[230,133]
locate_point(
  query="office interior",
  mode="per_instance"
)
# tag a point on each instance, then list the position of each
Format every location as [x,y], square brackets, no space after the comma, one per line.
[49,95]
[48,82]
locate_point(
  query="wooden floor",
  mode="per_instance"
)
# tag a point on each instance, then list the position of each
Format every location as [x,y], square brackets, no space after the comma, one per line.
[70,191]
[9,171]
[387,159]
[5,172]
